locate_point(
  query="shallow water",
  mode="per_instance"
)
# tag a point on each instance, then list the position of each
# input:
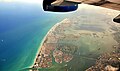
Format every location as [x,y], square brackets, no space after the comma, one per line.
[22,28]
[96,28]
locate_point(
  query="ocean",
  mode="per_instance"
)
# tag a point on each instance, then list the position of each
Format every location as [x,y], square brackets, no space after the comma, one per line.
[22,28]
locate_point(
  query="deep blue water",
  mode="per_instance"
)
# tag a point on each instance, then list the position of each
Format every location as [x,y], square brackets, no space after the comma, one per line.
[22,28]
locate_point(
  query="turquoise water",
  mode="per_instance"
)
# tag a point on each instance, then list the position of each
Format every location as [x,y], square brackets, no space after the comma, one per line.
[22,28]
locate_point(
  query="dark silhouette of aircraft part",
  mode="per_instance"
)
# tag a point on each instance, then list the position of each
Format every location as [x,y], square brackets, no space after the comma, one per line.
[117,19]
[62,7]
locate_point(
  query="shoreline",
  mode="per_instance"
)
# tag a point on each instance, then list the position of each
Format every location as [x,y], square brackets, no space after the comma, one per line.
[39,49]
[43,59]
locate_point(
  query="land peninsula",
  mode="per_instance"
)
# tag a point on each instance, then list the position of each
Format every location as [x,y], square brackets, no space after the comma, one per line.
[78,42]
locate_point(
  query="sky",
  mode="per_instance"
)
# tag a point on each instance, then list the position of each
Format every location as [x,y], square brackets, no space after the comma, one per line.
[25,1]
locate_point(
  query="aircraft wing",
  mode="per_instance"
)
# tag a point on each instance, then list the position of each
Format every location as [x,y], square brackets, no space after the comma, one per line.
[112,4]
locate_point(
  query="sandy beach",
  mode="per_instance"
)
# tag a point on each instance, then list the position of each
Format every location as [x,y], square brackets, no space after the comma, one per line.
[39,49]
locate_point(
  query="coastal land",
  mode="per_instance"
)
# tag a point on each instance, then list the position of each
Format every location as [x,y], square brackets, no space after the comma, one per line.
[78,42]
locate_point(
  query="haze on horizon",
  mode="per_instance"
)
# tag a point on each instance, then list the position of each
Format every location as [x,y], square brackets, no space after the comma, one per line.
[23,1]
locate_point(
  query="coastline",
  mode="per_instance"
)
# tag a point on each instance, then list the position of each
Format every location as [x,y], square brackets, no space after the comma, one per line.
[39,49]
[42,58]
[52,29]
